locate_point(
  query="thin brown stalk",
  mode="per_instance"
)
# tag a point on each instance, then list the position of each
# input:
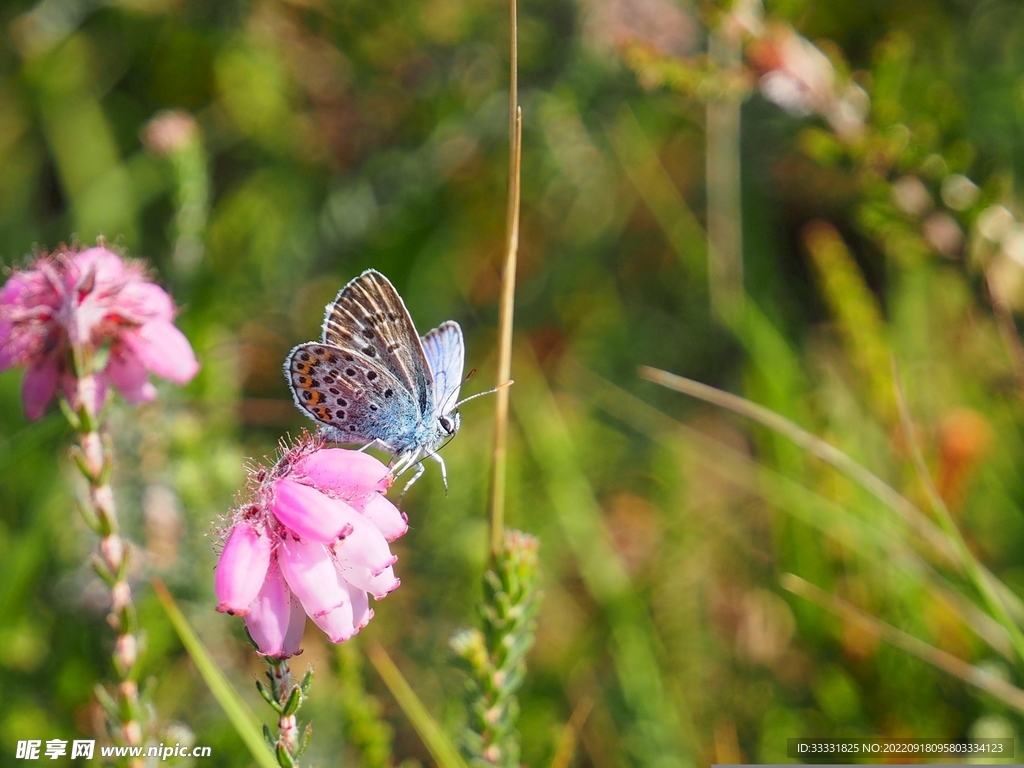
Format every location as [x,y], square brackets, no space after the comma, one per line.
[570,734]
[995,686]
[508,295]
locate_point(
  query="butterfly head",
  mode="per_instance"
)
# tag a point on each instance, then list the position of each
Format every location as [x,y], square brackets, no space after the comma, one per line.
[449,423]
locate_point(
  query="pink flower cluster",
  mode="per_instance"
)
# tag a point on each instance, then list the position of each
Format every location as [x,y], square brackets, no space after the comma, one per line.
[68,306]
[313,541]
[801,79]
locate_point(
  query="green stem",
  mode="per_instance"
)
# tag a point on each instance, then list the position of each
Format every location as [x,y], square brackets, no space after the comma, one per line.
[286,697]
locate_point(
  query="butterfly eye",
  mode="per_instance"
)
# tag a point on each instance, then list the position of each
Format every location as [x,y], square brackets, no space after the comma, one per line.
[447,425]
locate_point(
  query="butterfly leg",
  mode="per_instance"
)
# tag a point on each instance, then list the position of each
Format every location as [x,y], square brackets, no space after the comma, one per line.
[403,462]
[419,471]
[444,470]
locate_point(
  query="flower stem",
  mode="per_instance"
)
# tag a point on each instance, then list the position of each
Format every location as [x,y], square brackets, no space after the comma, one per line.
[93,458]
[508,294]
[286,698]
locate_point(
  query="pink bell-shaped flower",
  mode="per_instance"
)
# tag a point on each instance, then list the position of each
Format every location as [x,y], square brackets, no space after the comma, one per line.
[69,305]
[313,541]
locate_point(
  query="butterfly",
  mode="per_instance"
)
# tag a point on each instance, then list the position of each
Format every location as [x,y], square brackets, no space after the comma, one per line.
[373,381]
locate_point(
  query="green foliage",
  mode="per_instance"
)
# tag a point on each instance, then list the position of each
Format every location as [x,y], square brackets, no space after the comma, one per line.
[364,729]
[330,137]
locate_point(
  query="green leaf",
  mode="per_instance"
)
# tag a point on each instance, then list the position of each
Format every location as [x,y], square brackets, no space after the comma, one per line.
[435,740]
[238,712]
[284,758]
[267,697]
[294,699]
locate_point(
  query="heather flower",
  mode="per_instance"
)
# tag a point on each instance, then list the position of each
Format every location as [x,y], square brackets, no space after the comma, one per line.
[84,320]
[311,540]
[57,315]
[800,78]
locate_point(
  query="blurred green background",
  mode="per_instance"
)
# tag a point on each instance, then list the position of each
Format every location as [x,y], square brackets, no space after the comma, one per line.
[874,216]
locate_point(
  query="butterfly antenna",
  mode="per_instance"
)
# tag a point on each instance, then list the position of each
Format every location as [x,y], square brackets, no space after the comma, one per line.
[508,383]
[444,405]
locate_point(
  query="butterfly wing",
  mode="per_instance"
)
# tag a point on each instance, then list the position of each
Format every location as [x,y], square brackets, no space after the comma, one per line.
[446,356]
[369,317]
[357,398]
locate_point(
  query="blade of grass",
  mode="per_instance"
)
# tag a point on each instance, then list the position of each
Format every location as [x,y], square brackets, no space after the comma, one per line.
[836,522]
[982,581]
[947,662]
[241,717]
[815,445]
[828,453]
[792,497]
[434,739]
[723,184]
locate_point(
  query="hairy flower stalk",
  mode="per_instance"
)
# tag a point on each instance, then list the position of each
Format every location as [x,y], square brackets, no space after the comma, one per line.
[286,698]
[81,321]
[495,656]
[126,717]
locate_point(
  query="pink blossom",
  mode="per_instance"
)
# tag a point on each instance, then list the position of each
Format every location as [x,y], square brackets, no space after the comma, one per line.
[56,316]
[801,79]
[311,541]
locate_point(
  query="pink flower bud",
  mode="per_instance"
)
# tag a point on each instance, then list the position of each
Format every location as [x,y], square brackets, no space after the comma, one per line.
[338,624]
[164,350]
[241,569]
[349,473]
[379,586]
[69,305]
[126,651]
[361,611]
[120,596]
[309,514]
[126,372]
[38,386]
[383,514]
[309,571]
[276,619]
[365,546]
[112,552]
